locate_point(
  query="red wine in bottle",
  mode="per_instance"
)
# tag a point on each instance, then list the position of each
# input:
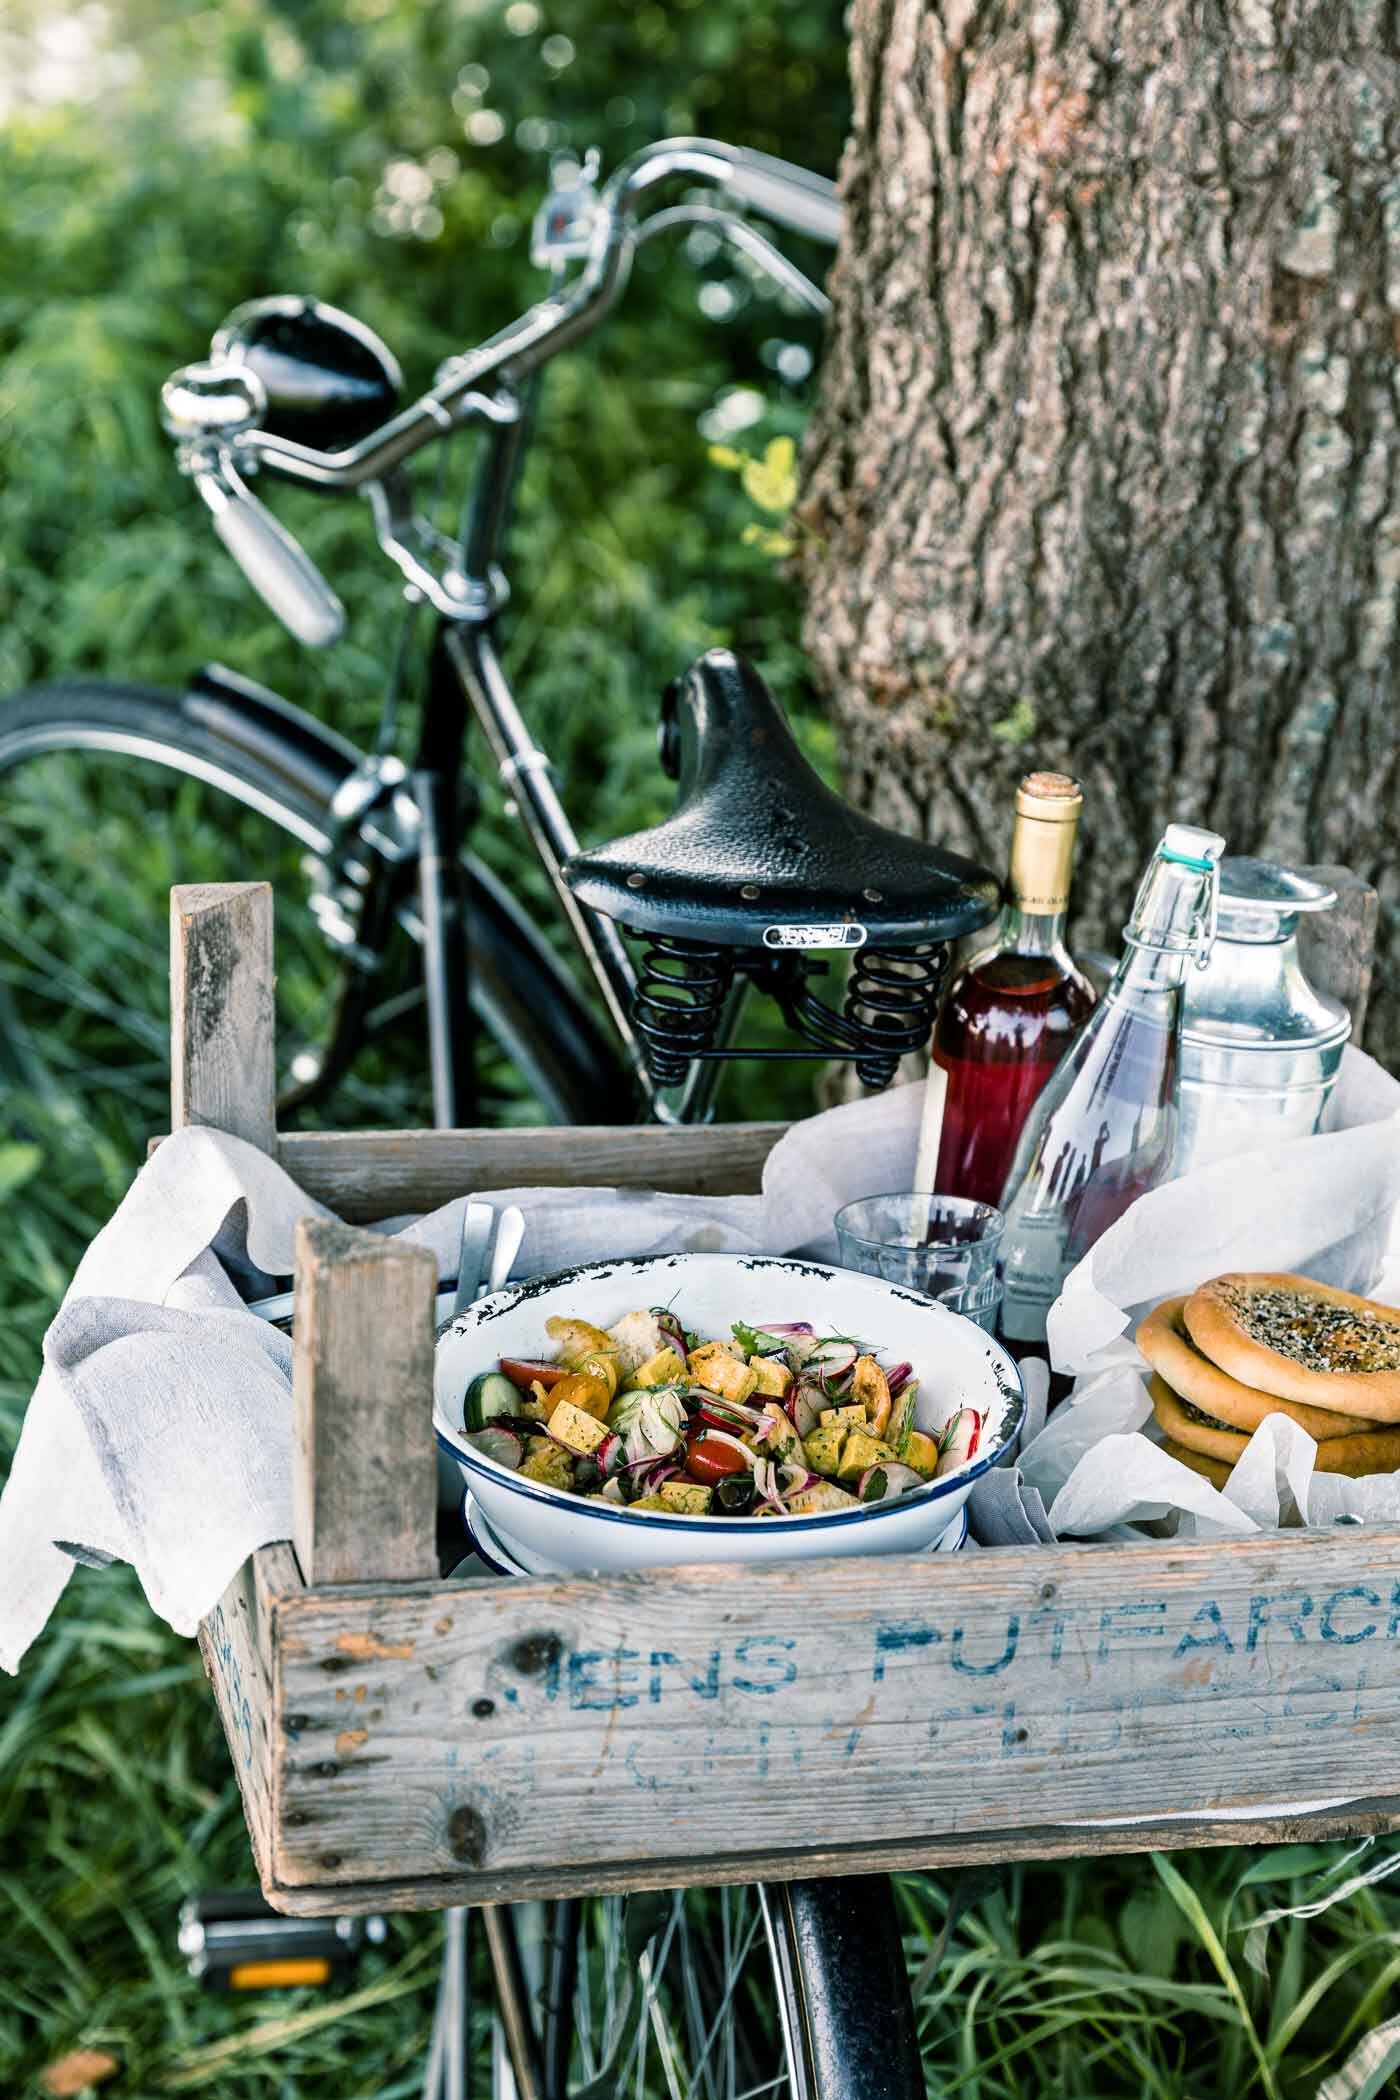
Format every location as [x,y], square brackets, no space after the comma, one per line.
[1011,1012]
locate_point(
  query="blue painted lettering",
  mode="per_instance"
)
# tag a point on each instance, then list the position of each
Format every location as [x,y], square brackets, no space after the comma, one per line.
[1210,1615]
[894,1639]
[1334,1603]
[1120,1619]
[1291,1607]
[587,1694]
[750,1653]
[706,1687]
[990,1669]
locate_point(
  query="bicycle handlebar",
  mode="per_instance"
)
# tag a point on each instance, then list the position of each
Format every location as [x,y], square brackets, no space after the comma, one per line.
[280,571]
[214,411]
[803,202]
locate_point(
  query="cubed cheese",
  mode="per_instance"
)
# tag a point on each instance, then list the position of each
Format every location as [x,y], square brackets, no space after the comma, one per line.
[645,1502]
[823,1447]
[772,1377]
[920,1452]
[686,1497]
[546,1463]
[570,1425]
[861,1450]
[717,1368]
[825,1494]
[635,1338]
[662,1369]
[852,1416]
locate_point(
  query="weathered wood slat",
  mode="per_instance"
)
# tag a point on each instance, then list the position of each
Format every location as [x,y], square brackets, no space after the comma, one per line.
[222,1061]
[362,1175]
[1372,1818]
[364,1482]
[1338,947]
[238,1644]
[462,1736]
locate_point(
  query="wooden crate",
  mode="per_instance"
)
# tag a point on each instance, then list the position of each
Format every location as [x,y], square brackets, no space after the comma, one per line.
[405,1742]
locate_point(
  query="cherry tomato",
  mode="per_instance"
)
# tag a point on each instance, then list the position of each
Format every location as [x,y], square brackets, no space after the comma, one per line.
[584,1392]
[708,1460]
[524,1374]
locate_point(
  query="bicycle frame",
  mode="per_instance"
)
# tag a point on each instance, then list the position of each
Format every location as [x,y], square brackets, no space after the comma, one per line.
[489,388]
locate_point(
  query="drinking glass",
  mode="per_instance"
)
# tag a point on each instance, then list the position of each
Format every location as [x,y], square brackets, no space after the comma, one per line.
[944,1246]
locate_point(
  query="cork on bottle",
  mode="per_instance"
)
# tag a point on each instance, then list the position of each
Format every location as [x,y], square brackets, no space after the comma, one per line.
[1042,841]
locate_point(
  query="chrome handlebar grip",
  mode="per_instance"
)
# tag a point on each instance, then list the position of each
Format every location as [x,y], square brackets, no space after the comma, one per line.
[788,195]
[282,574]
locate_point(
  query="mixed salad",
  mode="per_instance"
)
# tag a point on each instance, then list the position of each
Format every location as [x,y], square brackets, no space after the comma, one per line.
[774,1421]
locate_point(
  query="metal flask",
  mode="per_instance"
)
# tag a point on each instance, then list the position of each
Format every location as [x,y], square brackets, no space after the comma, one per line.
[1260,1046]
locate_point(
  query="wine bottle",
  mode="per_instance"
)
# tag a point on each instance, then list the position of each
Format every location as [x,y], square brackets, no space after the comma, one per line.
[1012,1010]
[1104,1129]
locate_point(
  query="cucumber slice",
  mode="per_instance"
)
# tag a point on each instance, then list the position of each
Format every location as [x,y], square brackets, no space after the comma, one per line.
[488,1396]
[501,1444]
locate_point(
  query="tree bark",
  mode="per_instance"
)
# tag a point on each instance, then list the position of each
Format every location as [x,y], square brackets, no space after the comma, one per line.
[1106,471]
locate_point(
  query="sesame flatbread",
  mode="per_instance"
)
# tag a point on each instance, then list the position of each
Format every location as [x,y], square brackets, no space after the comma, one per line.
[1168,1347]
[1301,1341]
[1374,1451]
[1214,1470]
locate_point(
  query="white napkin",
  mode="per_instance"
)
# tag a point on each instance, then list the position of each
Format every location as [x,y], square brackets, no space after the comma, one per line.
[160,1429]
[1325,1206]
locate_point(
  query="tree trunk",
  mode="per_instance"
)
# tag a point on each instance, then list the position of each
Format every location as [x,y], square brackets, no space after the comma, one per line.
[1105,473]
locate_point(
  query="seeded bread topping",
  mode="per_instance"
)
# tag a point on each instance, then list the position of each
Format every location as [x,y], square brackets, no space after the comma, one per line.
[1313,1332]
[1197,1414]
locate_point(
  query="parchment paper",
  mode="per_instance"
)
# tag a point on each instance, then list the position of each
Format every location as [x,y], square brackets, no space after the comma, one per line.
[1325,1206]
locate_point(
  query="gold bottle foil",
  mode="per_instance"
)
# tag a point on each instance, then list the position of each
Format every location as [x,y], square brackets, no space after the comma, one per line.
[1042,841]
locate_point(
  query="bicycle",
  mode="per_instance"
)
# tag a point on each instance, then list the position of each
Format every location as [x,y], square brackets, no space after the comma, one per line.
[760,874]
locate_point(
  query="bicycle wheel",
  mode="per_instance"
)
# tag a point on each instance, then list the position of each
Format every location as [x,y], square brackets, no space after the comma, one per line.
[109,793]
[798,1991]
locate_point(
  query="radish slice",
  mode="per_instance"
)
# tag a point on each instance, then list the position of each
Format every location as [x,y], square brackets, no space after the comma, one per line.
[886,1479]
[959,1441]
[832,1359]
[807,1402]
[898,1378]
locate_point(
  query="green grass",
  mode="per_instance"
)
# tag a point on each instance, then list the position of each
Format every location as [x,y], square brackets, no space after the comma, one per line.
[250,154]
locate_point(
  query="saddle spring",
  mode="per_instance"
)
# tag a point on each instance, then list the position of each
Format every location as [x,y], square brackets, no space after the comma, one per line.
[891,1003]
[681,992]
[889,1008]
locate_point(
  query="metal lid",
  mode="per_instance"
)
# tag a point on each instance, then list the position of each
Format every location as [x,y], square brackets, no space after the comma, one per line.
[1254,995]
[1260,901]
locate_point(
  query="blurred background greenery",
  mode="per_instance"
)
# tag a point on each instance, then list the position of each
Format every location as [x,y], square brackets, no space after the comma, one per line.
[159,162]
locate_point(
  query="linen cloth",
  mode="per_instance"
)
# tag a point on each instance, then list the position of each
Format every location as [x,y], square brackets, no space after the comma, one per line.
[160,1431]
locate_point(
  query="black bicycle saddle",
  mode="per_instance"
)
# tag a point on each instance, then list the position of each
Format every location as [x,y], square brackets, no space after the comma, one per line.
[758,851]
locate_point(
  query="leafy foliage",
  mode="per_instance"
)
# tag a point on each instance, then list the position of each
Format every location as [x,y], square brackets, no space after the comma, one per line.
[386,155]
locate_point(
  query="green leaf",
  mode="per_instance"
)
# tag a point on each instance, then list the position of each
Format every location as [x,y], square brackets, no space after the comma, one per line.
[1193,1910]
[726,456]
[771,482]
[1019,726]
[18,1164]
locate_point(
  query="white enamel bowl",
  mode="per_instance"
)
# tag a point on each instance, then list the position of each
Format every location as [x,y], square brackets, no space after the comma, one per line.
[497,1557]
[956,1364]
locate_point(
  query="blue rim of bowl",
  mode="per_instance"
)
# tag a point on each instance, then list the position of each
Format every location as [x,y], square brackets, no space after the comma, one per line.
[578,1505]
[489,1555]
[483,1552]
